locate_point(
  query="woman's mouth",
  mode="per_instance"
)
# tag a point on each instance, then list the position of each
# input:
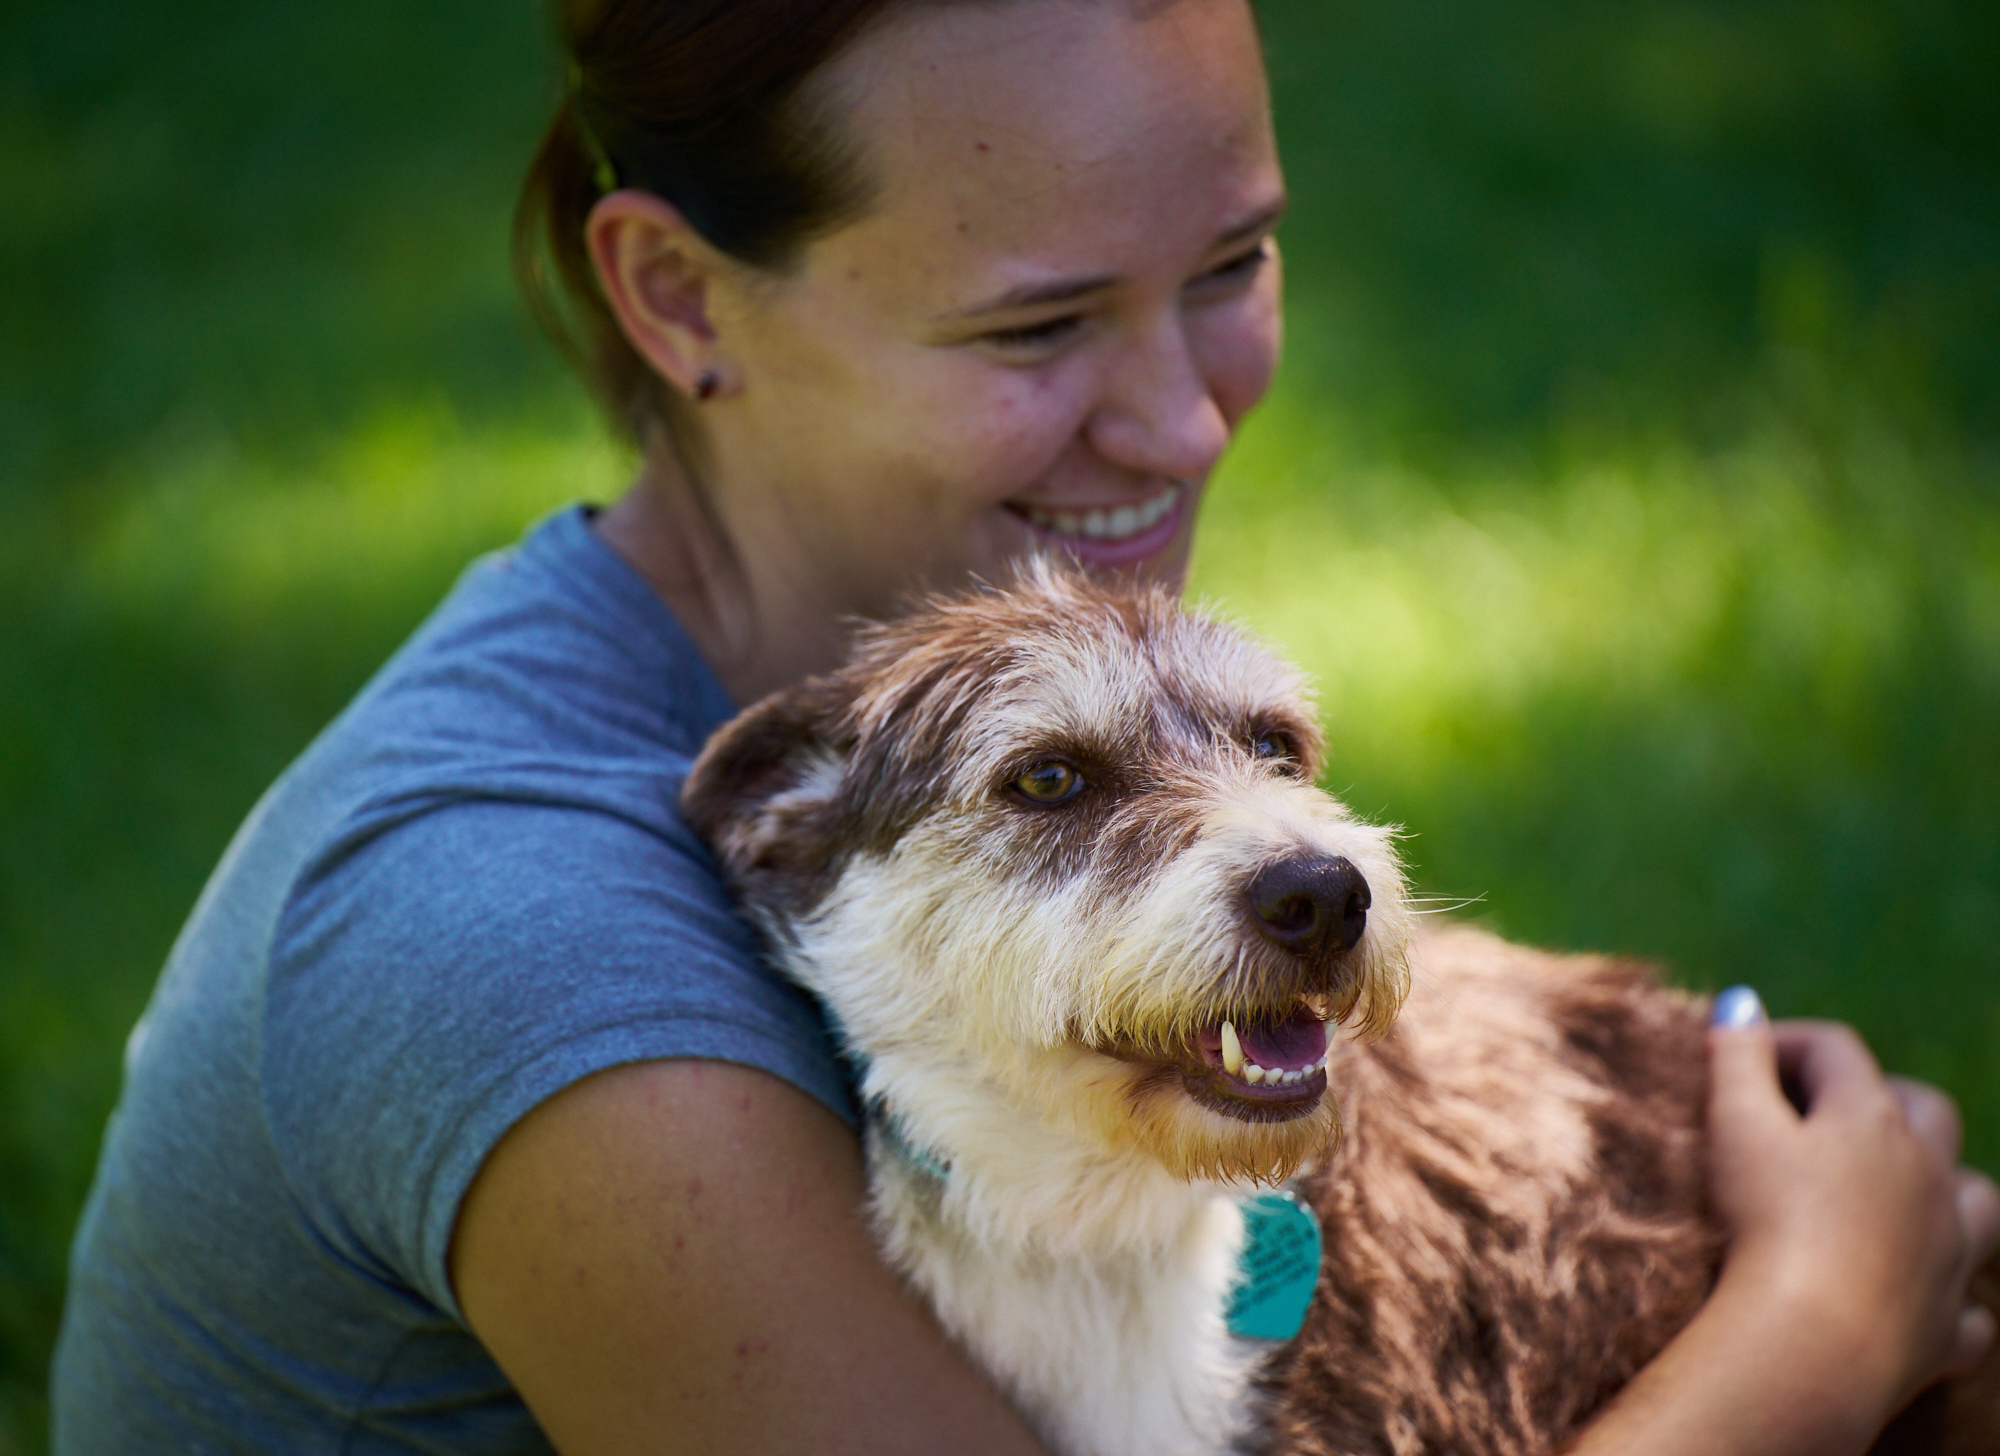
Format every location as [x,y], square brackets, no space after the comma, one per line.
[1112,535]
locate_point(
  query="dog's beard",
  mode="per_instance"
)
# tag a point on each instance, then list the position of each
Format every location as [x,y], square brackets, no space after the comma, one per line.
[1194,1142]
[1149,1109]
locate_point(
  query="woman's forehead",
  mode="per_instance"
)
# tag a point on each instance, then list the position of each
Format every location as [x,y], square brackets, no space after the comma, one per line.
[1045,135]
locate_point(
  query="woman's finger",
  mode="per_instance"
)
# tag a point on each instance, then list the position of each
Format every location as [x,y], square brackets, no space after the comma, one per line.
[1743,1063]
[1932,1116]
[1827,1064]
[1978,1214]
[1976,1330]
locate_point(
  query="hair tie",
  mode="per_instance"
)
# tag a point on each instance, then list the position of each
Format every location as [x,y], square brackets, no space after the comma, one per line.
[603,174]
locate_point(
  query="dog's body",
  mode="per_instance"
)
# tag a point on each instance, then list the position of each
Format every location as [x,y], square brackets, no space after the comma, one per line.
[1515,1220]
[1054,861]
[1513,1226]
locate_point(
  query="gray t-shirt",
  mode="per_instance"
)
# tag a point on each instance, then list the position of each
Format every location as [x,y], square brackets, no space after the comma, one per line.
[472,891]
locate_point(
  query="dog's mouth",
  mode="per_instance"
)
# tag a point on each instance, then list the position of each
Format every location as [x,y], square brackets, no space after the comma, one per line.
[1264,1067]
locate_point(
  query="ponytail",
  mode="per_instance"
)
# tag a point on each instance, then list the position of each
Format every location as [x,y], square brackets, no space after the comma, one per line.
[708,104]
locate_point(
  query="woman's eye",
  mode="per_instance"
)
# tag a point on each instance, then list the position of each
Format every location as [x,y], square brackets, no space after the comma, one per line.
[1043,335]
[1239,269]
[1049,783]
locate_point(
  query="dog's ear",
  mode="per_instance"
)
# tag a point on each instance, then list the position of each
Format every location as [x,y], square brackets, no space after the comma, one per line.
[761,791]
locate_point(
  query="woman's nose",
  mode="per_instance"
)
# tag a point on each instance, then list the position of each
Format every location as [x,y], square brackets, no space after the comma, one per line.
[1158,415]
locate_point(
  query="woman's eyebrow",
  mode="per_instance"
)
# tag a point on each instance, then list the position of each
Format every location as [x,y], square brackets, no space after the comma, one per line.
[1263,220]
[1031,295]
[1028,295]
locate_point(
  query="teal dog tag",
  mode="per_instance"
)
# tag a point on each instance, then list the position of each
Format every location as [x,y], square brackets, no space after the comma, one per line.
[1279,1269]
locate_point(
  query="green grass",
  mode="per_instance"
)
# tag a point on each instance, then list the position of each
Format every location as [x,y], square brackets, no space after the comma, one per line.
[1633,488]
[1727,709]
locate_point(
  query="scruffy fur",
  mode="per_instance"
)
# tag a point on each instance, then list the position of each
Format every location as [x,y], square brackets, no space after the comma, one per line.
[1513,1205]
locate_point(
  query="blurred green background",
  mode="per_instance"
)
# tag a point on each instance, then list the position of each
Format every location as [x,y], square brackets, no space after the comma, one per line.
[1633,485]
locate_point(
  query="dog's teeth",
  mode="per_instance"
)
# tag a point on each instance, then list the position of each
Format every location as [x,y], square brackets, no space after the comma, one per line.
[1293,1078]
[1331,1028]
[1232,1050]
[1252,1073]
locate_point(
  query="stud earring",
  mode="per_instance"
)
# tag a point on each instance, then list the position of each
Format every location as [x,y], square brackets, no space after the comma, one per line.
[706,384]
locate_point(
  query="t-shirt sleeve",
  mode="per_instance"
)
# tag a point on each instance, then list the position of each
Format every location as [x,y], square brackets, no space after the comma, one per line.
[432,985]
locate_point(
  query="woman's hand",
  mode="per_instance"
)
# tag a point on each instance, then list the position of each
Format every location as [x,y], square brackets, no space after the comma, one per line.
[1852,1235]
[1850,1206]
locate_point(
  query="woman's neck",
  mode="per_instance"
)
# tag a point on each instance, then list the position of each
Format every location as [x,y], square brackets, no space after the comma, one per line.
[756,636]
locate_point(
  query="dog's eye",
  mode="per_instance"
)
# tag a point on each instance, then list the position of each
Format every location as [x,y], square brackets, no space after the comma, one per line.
[1274,746]
[1051,782]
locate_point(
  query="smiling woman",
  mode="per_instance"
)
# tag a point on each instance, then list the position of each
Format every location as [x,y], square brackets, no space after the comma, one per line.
[1059,300]
[467,1114]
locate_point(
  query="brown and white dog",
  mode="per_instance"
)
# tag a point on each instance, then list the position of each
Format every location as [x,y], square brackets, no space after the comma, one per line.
[1053,858]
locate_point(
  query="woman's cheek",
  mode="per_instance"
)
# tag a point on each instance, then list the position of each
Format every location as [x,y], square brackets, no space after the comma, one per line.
[1015,424]
[1239,347]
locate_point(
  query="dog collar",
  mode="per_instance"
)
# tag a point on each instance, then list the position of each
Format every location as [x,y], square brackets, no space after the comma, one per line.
[896,1139]
[890,1134]
[1276,1274]
[1278,1269]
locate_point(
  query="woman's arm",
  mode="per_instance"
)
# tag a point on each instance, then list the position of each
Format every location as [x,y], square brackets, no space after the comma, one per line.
[673,1256]
[1852,1237]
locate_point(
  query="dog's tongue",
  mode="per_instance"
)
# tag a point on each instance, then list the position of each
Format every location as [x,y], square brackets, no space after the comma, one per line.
[1293,1043]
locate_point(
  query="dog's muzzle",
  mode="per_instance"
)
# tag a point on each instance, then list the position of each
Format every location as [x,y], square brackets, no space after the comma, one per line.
[1264,1060]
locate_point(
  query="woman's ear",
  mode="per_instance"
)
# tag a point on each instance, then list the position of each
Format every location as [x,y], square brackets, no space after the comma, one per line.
[658,274]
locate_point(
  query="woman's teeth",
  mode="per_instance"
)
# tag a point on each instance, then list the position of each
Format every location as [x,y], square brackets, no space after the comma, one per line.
[1103,525]
[1235,1065]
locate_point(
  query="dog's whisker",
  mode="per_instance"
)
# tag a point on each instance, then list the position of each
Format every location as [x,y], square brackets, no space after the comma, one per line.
[1445,902]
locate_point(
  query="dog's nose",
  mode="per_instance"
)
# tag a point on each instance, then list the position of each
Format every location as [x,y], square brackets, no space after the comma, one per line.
[1307,903]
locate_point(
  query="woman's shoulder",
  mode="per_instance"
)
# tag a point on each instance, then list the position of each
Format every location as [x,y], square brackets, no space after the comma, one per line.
[494,819]
[472,891]
[452,974]
[507,785]
[554,645]
[500,896]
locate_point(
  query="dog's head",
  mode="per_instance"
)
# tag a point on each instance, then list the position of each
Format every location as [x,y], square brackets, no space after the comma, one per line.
[1064,838]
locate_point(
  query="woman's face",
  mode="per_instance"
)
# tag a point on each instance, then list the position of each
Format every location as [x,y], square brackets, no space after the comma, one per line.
[1044,329]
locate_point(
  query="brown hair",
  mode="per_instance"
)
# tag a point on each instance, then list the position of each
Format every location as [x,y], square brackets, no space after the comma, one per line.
[705,103]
